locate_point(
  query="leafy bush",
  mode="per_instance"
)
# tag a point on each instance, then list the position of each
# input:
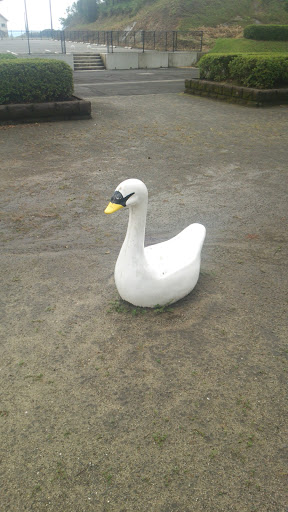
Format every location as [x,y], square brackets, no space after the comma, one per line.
[215,67]
[263,72]
[35,80]
[266,32]
[260,71]
[7,56]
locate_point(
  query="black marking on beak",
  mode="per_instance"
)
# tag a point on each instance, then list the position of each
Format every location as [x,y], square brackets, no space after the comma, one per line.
[117,198]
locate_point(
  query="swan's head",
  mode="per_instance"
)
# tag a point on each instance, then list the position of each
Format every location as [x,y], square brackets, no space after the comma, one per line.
[129,193]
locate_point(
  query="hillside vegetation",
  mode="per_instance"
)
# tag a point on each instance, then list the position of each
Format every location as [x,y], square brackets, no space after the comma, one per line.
[174,14]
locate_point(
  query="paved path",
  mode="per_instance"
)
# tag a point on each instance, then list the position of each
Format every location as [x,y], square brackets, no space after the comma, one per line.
[131,82]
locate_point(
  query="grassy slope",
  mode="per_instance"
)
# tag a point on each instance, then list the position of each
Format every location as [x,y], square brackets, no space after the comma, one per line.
[248,46]
[188,14]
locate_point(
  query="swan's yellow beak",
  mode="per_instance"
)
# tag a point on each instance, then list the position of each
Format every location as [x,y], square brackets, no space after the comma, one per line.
[112,207]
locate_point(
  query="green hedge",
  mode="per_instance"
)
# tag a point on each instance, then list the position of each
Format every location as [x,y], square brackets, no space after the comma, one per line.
[215,67]
[266,32]
[35,81]
[259,71]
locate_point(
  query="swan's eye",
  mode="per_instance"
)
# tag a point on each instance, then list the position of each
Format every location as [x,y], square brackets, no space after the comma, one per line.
[118,198]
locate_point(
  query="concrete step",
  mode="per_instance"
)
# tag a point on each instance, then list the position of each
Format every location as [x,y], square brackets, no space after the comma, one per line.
[87,57]
[87,68]
[87,61]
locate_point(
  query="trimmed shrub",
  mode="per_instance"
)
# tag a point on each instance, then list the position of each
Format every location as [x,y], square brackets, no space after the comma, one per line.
[215,66]
[266,32]
[261,72]
[35,81]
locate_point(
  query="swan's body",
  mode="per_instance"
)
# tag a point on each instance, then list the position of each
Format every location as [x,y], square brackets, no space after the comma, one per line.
[159,274]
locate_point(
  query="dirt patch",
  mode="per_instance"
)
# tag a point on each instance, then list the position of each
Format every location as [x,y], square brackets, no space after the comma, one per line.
[105,406]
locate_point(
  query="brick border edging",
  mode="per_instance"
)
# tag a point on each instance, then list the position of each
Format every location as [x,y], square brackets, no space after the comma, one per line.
[236,94]
[75,108]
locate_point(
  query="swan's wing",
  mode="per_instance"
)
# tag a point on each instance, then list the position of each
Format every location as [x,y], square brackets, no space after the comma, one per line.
[178,252]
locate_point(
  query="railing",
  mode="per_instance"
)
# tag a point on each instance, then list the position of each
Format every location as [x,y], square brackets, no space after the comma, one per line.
[113,40]
[141,39]
[33,34]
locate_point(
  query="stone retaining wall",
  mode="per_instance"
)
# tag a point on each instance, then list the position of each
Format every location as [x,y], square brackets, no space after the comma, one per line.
[76,108]
[237,94]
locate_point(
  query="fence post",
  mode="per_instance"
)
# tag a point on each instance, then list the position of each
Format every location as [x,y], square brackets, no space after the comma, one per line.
[143,40]
[173,41]
[63,43]
[28,41]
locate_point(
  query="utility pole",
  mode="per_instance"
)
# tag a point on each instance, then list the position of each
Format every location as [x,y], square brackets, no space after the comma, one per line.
[51,17]
[27,26]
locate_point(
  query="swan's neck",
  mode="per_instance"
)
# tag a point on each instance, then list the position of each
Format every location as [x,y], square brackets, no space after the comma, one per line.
[134,240]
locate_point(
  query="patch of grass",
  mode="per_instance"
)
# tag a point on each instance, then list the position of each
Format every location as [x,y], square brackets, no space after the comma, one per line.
[34,378]
[223,45]
[118,307]
[61,333]
[244,403]
[213,453]
[50,308]
[35,490]
[121,307]
[4,414]
[162,309]
[159,439]
[108,476]
[60,473]
[248,439]
[138,311]
[199,432]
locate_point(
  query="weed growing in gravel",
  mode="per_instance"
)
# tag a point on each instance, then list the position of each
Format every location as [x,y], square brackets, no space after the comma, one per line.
[34,378]
[60,473]
[36,489]
[159,439]
[122,307]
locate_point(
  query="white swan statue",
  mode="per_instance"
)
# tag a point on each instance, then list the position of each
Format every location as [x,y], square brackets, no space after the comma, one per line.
[159,274]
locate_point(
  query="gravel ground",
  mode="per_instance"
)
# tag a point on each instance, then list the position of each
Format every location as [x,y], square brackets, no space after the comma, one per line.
[110,408]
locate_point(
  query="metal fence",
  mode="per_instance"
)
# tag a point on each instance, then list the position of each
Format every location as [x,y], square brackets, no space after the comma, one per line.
[62,41]
[24,41]
[142,40]
[33,34]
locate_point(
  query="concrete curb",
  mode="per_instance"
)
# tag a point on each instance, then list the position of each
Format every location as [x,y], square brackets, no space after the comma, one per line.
[73,109]
[237,94]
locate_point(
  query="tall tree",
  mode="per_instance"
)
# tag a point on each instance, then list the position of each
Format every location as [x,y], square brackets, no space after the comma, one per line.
[88,10]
